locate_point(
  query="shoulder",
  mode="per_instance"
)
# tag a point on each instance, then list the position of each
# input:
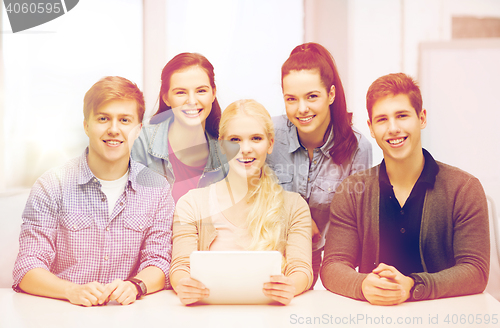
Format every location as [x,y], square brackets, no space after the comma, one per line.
[194,197]
[282,132]
[363,142]
[294,200]
[446,170]
[53,184]
[365,181]
[454,177]
[64,174]
[149,131]
[147,178]
[280,123]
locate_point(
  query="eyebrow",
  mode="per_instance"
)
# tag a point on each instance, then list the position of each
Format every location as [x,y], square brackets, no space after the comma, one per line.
[199,87]
[119,115]
[401,111]
[310,92]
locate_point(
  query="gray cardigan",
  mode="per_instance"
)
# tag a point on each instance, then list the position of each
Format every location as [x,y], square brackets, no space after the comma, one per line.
[454,235]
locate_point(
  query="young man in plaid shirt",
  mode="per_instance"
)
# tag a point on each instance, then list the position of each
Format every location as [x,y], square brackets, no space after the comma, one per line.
[99,228]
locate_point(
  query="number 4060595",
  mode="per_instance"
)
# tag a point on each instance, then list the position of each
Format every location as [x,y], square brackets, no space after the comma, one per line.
[471,319]
[33,8]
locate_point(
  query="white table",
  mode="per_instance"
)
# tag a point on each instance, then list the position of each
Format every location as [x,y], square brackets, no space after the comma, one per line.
[312,309]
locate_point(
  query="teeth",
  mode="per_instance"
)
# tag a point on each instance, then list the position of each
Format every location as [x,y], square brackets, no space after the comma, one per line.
[246,160]
[396,141]
[305,119]
[191,112]
[113,143]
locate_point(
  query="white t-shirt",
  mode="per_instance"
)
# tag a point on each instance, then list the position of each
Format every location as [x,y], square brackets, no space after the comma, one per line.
[113,190]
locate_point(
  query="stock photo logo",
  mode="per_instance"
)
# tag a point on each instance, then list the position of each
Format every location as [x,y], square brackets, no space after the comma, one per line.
[24,14]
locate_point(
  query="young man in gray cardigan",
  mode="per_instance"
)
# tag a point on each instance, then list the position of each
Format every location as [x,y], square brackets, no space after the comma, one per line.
[416,228]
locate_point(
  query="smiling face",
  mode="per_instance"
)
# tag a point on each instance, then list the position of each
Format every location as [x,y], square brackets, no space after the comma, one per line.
[307,101]
[254,145]
[396,127]
[190,96]
[112,129]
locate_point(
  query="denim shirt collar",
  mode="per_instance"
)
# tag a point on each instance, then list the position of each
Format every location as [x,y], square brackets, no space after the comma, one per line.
[294,142]
[85,173]
[158,146]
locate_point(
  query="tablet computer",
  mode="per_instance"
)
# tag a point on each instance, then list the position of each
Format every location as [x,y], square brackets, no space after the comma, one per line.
[235,277]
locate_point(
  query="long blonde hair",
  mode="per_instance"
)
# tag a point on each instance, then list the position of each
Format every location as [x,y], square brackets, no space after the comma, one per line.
[265,219]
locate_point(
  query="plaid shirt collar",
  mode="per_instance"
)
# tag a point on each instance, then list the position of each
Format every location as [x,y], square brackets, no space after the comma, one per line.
[85,173]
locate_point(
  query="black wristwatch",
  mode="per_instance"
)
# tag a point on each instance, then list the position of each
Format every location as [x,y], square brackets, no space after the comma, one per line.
[418,289]
[140,285]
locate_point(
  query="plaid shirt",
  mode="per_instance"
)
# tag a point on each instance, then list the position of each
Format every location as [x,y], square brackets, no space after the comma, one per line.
[68,231]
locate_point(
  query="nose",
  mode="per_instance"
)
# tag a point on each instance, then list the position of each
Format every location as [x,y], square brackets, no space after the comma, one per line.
[245,147]
[113,127]
[303,109]
[192,98]
[394,127]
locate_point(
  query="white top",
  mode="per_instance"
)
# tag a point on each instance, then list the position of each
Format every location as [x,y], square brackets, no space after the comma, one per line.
[229,236]
[113,190]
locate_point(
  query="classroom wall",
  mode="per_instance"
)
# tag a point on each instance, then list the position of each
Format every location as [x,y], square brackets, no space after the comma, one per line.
[381,37]
[46,70]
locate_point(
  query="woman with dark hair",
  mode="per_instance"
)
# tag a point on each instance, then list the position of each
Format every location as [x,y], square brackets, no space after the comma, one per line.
[181,141]
[316,146]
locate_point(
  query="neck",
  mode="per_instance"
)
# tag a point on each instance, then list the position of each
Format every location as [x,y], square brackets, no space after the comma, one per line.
[178,132]
[405,173]
[106,170]
[239,187]
[312,140]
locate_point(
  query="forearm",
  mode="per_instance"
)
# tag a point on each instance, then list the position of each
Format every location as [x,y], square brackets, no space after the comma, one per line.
[41,282]
[341,279]
[176,276]
[463,279]
[300,282]
[153,278]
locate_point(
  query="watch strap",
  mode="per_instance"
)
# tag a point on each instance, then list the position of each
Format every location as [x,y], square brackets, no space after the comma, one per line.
[140,285]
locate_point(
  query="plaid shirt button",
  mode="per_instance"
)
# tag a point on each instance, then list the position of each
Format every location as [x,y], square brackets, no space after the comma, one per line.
[106,258]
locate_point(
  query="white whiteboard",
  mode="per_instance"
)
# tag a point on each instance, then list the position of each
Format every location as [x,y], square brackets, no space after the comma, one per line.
[460,83]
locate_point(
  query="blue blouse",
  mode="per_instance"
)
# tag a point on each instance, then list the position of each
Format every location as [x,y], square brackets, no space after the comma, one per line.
[316,180]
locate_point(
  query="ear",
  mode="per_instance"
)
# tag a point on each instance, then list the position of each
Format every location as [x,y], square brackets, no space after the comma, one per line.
[271,145]
[423,119]
[331,95]
[165,99]
[86,127]
[371,129]
[214,90]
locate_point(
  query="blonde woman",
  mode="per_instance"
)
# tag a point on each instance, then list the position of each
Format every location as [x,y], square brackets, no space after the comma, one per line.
[248,210]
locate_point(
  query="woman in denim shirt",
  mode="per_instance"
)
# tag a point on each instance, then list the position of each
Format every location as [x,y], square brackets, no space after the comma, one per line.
[316,146]
[181,141]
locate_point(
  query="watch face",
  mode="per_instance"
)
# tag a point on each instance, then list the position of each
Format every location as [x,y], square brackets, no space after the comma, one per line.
[418,292]
[143,287]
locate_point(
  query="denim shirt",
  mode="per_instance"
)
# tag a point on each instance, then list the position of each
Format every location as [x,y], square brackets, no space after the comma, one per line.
[316,180]
[151,150]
